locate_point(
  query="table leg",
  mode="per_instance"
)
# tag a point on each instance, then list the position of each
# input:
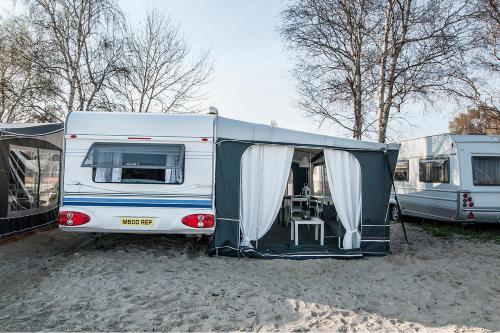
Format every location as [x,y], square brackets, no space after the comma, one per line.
[296,234]
[322,234]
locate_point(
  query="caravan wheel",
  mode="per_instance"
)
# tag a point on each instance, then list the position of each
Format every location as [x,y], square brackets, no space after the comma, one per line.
[395,213]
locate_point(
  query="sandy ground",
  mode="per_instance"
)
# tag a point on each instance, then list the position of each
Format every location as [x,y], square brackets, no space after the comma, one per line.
[65,282]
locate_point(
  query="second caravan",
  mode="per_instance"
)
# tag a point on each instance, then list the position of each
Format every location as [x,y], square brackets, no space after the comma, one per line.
[450,178]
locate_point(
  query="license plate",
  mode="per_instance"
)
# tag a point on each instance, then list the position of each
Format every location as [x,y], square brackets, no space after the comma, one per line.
[137,221]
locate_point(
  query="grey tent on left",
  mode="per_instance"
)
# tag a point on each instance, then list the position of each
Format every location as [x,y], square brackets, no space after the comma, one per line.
[30,164]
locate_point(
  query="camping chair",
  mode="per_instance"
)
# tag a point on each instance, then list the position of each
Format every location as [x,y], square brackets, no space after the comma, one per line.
[295,210]
[317,204]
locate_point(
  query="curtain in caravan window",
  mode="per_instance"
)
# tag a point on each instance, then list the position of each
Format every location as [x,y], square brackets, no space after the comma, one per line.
[108,175]
[486,170]
[344,180]
[264,175]
[173,175]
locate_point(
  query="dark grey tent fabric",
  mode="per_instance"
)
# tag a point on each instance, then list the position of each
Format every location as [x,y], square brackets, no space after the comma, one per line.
[34,130]
[299,178]
[376,166]
[376,187]
[227,195]
[33,137]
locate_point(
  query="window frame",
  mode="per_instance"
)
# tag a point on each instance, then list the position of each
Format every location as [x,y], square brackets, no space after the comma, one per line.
[472,167]
[407,179]
[430,159]
[181,162]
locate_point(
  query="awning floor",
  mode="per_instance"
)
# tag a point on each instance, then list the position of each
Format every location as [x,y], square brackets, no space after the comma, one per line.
[277,243]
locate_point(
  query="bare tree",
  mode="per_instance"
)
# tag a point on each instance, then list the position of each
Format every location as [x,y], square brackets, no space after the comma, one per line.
[359,61]
[157,75]
[419,43]
[81,39]
[474,80]
[25,90]
[335,58]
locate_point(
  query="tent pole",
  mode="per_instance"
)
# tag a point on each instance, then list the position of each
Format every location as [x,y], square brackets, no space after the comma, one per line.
[260,196]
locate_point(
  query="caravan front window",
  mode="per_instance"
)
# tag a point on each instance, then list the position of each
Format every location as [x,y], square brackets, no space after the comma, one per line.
[486,170]
[402,171]
[136,163]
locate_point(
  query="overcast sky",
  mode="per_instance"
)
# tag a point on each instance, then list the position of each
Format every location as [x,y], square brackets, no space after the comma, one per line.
[252,78]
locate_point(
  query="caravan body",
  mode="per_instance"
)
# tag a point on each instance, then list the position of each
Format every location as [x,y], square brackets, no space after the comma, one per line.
[449,178]
[138,173]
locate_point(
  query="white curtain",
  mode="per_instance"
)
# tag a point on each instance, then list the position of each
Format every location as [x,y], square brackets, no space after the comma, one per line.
[109,175]
[264,175]
[344,180]
[173,176]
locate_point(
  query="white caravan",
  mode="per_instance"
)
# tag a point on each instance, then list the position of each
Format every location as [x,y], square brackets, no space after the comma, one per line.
[121,171]
[449,178]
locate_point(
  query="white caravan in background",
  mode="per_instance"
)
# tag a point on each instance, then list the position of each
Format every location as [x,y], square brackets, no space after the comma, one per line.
[122,170]
[449,178]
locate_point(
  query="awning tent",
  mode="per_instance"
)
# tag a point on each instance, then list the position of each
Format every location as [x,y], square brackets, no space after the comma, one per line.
[376,161]
[30,156]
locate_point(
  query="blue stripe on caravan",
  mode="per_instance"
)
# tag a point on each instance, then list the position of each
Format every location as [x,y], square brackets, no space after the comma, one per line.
[136,202]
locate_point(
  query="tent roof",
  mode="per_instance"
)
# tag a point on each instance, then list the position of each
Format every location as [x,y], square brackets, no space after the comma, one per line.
[200,125]
[245,131]
[29,129]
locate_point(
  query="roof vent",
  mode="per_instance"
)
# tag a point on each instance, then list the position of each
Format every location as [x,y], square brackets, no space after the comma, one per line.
[213,110]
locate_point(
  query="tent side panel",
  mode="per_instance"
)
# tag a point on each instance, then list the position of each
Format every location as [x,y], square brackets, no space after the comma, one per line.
[227,193]
[33,218]
[375,235]
[16,224]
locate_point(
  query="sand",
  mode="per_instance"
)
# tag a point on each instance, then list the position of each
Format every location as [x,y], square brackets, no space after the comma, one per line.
[69,282]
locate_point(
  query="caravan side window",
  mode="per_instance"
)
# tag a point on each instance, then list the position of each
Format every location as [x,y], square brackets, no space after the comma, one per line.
[434,170]
[402,171]
[486,170]
[136,163]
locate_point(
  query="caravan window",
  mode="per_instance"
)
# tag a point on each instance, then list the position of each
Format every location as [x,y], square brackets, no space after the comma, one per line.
[136,163]
[402,171]
[435,170]
[486,170]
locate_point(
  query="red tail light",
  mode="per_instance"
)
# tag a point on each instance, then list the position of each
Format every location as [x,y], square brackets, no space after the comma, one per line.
[73,218]
[199,221]
[467,200]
